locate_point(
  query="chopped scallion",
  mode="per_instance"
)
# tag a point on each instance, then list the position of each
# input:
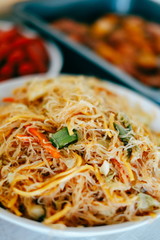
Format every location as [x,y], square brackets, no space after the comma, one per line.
[62,138]
[123,133]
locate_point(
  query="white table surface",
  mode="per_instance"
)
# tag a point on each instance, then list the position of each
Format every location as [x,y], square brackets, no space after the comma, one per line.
[10,231]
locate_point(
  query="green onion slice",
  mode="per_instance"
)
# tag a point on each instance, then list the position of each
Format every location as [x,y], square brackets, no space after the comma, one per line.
[62,138]
[123,133]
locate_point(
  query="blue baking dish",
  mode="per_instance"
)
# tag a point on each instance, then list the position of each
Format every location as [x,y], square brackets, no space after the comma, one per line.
[40,12]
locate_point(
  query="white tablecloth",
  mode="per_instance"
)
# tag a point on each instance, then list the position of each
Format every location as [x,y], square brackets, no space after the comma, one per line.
[10,231]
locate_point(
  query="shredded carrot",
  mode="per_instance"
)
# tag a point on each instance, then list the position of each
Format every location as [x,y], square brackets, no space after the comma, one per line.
[23,138]
[8,99]
[41,138]
[119,167]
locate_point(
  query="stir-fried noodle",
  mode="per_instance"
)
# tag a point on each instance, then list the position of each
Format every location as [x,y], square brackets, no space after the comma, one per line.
[74,153]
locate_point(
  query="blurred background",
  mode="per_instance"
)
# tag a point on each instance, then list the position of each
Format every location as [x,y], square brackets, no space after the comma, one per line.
[117,40]
[5,5]
[124,43]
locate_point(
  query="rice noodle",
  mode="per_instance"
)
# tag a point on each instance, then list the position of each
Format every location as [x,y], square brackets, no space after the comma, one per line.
[75,189]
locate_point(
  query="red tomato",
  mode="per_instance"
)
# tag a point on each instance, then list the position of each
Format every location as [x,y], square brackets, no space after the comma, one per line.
[17,56]
[10,35]
[40,44]
[6,71]
[26,68]
[21,42]
[4,51]
[21,55]
[35,55]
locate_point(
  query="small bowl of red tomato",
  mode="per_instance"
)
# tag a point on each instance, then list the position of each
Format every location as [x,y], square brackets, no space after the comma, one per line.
[24,53]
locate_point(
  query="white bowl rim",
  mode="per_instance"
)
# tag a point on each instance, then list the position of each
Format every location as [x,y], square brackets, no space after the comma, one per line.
[71,231]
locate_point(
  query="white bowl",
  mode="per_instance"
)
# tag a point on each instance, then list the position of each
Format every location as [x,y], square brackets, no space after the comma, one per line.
[55,55]
[133,98]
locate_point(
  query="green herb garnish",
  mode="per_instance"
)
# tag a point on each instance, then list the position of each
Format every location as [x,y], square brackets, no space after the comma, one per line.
[124,134]
[62,138]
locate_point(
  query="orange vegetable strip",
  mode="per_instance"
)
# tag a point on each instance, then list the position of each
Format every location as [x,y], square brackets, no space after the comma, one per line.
[44,142]
[8,99]
[22,137]
[119,167]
